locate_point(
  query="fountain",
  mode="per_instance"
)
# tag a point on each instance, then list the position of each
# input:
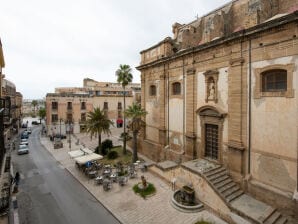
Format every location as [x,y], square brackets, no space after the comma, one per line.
[184,200]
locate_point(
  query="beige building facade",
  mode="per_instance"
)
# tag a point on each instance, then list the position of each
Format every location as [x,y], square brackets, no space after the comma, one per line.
[68,107]
[224,88]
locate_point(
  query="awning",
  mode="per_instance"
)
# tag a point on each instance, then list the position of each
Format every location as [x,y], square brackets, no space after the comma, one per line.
[87,151]
[89,157]
[76,153]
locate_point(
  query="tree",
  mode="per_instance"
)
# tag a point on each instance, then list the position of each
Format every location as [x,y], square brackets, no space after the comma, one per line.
[136,113]
[98,123]
[34,103]
[124,77]
[42,113]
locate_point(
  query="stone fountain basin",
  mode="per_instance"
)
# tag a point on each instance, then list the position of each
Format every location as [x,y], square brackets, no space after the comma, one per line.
[198,206]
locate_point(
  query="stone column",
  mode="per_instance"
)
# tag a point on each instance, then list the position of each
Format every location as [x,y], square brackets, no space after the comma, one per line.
[237,115]
[190,136]
[162,109]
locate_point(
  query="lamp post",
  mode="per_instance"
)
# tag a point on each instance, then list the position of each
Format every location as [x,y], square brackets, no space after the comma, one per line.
[69,136]
[60,126]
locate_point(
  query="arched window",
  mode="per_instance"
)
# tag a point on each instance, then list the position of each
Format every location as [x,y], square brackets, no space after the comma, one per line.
[176,86]
[152,90]
[274,80]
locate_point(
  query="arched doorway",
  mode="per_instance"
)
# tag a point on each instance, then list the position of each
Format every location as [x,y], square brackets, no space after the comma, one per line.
[211,122]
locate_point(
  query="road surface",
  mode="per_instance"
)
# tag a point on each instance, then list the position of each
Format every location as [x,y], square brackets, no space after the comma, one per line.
[49,194]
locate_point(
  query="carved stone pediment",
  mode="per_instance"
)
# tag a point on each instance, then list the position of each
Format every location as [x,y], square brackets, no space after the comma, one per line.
[210,112]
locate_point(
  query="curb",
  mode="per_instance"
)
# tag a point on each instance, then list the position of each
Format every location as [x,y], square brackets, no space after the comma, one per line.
[15,213]
[81,184]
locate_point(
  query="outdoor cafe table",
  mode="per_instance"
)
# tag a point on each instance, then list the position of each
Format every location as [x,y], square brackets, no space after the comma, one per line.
[99,180]
[113,177]
[92,174]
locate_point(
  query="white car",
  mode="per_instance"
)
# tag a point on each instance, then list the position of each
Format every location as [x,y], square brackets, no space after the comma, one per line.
[23,149]
[29,130]
[24,141]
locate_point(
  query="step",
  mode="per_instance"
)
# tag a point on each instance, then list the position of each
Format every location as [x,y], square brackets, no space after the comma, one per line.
[234,195]
[215,176]
[230,191]
[223,183]
[274,217]
[269,211]
[212,172]
[222,178]
[281,220]
[226,187]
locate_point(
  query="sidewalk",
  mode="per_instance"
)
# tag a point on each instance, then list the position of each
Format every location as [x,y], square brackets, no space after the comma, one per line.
[122,201]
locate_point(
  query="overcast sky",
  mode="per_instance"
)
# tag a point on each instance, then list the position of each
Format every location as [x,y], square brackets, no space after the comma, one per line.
[58,43]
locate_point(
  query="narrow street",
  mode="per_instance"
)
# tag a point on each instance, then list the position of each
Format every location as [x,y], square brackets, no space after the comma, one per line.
[49,194]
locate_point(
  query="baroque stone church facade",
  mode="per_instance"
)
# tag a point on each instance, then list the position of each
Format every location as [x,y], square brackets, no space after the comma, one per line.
[224,88]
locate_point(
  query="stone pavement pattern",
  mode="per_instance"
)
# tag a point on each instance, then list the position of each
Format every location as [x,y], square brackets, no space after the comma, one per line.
[123,202]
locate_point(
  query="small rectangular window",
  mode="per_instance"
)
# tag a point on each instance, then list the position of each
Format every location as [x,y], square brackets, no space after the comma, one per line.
[54,117]
[105,106]
[54,105]
[69,105]
[83,106]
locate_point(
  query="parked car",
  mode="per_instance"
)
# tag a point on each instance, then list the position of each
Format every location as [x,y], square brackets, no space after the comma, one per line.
[29,131]
[23,149]
[35,123]
[24,141]
[24,125]
[25,135]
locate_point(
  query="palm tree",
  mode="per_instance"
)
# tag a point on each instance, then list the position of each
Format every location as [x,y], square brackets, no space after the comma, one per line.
[124,77]
[34,103]
[98,123]
[136,113]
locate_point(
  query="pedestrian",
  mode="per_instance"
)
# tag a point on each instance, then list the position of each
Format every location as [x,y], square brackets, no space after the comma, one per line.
[16,180]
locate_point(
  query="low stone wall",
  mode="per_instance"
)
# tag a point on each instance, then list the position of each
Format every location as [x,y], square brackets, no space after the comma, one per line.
[203,190]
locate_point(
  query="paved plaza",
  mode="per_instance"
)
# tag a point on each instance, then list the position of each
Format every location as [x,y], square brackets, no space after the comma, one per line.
[122,201]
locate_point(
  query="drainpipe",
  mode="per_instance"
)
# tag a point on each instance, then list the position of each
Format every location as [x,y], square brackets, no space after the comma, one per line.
[184,90]
[249,107]
[168,96]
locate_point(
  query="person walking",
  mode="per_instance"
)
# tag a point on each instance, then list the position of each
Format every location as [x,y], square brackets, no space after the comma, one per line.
[16,181]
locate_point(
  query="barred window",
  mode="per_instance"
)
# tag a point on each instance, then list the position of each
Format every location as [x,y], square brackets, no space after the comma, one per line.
[274,80]
[54,117]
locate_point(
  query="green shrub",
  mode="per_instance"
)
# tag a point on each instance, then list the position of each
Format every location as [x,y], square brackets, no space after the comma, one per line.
[106,145]
[97,150]
[144,192]
[112,155]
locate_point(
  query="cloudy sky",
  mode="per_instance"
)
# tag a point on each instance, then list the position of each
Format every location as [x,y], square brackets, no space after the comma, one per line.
[58,43]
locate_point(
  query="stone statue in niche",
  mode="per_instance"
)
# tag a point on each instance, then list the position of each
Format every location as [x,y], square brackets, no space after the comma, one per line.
[211,90]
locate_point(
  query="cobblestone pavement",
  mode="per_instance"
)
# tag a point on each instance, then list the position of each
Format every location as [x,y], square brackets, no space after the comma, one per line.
[122,201]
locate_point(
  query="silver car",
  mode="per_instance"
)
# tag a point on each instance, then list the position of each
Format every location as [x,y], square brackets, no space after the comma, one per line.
[24,141]
[23,149]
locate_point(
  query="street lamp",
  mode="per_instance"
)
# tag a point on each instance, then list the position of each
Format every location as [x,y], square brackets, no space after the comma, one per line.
[60,126]
[69,128]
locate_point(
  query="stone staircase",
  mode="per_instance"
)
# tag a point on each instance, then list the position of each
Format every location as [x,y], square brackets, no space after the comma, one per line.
[273,216]
[229,191]
[223,184]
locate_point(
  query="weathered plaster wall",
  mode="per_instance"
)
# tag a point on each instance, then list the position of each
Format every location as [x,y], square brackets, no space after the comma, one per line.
[274,133]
